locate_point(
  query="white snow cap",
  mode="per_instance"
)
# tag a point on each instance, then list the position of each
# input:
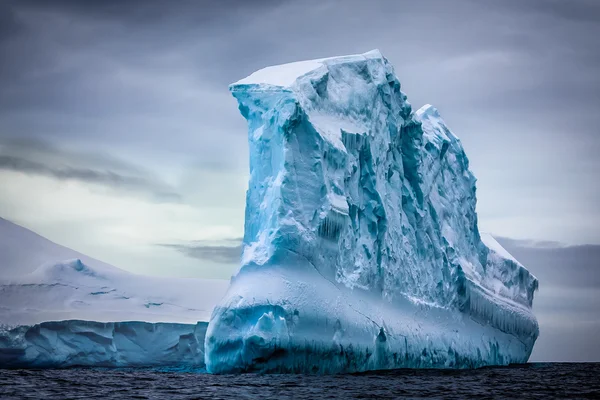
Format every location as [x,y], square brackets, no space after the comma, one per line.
[285,75]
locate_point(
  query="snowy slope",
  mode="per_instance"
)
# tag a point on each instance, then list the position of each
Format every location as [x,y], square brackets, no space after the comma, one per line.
[49,282]
[22,251]
[361,244]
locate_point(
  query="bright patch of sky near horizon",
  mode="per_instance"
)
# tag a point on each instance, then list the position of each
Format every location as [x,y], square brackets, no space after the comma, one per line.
[118,137]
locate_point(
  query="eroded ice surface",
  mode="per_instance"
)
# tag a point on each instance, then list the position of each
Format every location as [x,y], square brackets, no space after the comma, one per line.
[361,246]
[60,344]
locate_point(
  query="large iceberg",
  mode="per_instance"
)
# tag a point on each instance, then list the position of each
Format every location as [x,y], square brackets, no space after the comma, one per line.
[361,246]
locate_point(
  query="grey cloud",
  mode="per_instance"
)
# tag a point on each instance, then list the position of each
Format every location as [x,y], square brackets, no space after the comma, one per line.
[157,72]
[9,26]
[39,158]
[575,10]
[100,72]
[535,244]
[228,251]
[152,11]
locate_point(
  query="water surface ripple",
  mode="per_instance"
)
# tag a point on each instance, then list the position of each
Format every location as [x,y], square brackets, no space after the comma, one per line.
[554,380]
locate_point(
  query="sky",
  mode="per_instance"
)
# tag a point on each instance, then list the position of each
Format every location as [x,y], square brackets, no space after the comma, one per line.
[119,138]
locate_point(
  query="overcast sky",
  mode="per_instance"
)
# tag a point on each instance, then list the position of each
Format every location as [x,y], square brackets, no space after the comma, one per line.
[118,137]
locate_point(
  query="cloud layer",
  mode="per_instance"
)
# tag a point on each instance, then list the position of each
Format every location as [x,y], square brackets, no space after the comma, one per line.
[228,253]
[38,158]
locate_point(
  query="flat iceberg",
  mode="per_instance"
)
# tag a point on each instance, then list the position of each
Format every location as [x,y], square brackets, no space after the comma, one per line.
[361,245]
[60,344]
[60,308]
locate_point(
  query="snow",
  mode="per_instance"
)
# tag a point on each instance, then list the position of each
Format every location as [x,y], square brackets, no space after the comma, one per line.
[281,75]
[493,245]
[70,285]
[73,290]
[361,244]
[286,74]
[22,251]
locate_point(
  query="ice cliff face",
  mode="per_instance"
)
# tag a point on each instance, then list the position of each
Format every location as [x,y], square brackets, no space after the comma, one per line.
[361,246]
[60,344]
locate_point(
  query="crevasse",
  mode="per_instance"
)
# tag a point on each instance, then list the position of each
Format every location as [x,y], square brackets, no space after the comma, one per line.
[361,245]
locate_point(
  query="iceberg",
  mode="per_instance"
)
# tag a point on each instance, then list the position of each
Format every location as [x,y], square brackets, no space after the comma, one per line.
[361,248]
[75,343]
[60,308]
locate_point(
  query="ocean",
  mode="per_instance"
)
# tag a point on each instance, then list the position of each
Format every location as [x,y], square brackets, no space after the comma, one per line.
[535,381]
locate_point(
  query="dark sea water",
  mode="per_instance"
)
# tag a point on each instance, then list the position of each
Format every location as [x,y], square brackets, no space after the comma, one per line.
[542,381]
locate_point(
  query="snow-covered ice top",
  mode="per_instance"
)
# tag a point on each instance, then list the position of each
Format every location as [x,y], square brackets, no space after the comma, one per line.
[357,205]
[285,75]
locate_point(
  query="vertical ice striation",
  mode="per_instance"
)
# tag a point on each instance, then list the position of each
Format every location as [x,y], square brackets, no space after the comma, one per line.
[361,246]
